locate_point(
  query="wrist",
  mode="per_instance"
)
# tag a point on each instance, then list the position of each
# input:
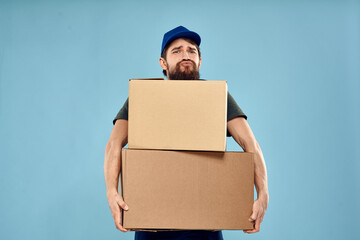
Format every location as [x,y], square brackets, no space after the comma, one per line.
[263,196]
[111,192]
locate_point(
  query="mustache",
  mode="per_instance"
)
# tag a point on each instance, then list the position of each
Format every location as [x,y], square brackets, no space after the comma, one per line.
[187,60]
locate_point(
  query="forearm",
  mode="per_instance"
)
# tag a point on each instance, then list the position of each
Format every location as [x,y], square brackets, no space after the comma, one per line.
[260,170]
[112,161]
[112,166]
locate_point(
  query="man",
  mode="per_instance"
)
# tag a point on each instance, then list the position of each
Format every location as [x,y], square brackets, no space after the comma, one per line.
[180,60]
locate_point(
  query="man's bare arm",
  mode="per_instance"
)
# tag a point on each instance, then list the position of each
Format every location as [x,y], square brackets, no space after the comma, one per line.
[112,169]
[242,134]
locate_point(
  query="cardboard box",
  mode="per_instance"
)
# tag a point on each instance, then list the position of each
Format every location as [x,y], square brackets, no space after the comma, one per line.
[187,190]
[177,115]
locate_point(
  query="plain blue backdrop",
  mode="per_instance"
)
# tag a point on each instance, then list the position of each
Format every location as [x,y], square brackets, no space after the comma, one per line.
[292,66]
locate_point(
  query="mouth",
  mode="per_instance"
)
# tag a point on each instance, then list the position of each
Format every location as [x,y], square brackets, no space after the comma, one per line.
[186,63]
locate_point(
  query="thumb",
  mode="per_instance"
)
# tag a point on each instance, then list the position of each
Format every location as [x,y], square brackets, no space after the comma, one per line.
[121,203]
[253,216]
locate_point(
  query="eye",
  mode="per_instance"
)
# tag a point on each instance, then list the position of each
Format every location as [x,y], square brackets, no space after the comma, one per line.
[192,51]
[176,51]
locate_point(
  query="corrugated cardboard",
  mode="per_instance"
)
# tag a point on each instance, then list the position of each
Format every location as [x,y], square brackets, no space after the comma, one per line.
[187,190]
[177,115]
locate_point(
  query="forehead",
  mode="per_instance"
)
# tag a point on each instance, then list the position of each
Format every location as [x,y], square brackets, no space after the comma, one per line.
[181,42]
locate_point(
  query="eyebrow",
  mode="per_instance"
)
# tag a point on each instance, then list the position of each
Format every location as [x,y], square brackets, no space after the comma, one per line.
[177,48]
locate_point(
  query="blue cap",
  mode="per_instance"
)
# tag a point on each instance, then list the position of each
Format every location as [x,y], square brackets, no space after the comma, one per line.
[179,32]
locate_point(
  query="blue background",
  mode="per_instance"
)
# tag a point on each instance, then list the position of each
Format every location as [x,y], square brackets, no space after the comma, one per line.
[292,66]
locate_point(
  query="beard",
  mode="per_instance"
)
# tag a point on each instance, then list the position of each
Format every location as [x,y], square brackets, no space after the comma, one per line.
[186,74]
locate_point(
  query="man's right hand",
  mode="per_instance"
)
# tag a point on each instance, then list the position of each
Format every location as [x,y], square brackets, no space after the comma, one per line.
[116,202]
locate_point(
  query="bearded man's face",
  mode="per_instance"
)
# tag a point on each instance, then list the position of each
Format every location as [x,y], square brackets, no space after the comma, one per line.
[182,61]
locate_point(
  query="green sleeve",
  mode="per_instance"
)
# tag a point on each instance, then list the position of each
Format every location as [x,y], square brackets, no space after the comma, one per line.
[123,113]
[233,111]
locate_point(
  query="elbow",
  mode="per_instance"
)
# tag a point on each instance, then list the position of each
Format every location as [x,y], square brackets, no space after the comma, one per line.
[252,146]
[115,144]
[113,149]
[108,148]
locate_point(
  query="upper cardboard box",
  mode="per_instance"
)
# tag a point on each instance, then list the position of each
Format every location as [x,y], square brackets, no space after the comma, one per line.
[177,115]
[187,190]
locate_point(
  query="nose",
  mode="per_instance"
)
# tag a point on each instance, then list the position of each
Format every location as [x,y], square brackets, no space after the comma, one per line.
[186,55]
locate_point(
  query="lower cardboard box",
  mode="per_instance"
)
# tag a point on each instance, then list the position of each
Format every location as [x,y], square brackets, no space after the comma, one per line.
[176,190]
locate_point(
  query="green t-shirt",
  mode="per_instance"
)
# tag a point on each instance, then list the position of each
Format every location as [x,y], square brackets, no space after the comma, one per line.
[233,110]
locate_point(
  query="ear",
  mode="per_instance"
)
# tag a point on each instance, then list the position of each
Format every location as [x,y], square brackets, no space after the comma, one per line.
[163,63]
[199,63]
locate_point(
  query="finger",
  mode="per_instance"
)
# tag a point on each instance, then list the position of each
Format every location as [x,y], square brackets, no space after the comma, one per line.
[256,227]
[118,223]
[260,215]
[250,231]
[254,215]
[121,203]
[121,228]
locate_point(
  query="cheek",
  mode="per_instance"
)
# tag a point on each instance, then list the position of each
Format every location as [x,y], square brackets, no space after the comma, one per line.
[196,59]
[197,62]
[172,63]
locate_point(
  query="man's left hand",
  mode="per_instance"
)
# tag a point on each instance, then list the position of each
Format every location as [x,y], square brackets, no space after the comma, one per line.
[258,212]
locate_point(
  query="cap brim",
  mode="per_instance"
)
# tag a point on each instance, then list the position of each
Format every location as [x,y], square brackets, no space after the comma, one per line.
[191,35]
